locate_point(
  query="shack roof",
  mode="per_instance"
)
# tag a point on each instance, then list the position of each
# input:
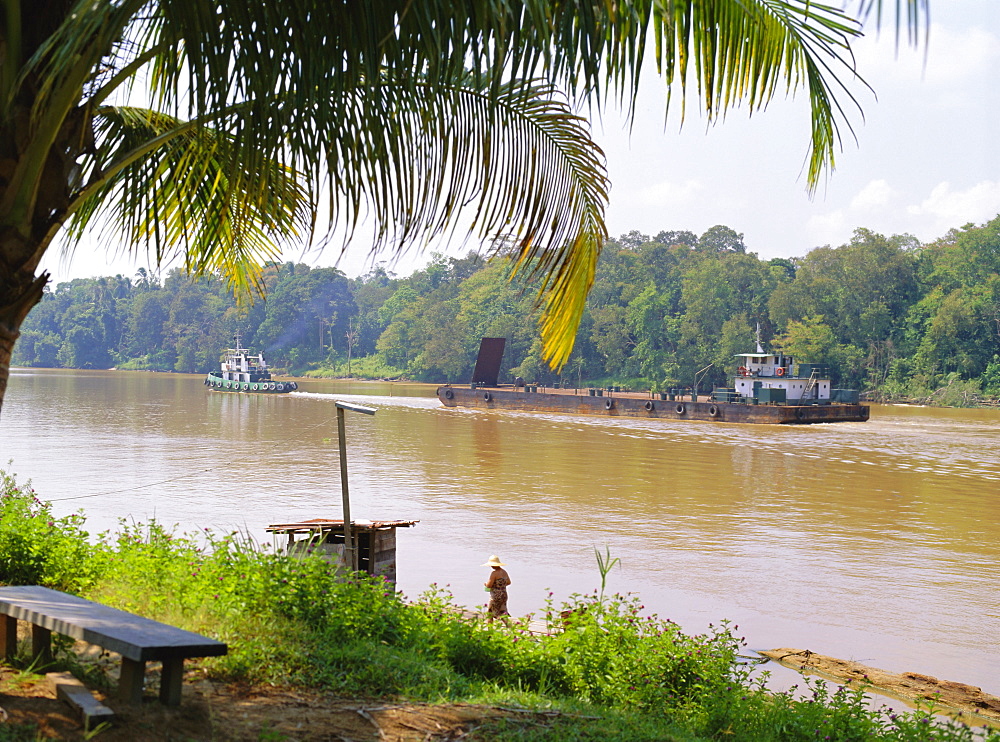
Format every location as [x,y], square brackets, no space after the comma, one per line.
[328,524]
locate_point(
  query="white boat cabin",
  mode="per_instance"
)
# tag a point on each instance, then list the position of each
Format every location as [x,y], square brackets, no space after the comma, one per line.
[239,365]
[759,371]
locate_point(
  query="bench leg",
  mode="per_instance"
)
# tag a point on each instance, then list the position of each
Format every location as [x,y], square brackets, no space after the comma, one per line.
[8,637]
[41,645]
[130,681]
[171,676]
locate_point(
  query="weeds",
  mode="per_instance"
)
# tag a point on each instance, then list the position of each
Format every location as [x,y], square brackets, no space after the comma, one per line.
[604,565]
[20,733]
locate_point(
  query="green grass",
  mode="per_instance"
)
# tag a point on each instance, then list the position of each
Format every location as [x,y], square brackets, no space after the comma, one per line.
[614,671]
[366,367]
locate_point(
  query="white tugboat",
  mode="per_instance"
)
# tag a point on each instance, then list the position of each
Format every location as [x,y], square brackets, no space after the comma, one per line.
[242,372]
[774,377]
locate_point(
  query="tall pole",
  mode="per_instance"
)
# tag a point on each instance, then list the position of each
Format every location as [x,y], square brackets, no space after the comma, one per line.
[349,547]
[352,554]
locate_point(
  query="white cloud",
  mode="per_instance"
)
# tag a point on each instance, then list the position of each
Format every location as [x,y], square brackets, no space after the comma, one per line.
[875,196]
[880,207]
[953,208]
[956,56]
[872,206]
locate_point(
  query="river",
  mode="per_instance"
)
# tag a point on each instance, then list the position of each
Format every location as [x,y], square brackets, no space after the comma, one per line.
[877,541]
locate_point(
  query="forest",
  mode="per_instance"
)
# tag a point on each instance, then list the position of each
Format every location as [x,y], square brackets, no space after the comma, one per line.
[895,318]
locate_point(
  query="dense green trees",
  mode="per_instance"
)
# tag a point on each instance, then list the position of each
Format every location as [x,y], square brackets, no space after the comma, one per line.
[889,315]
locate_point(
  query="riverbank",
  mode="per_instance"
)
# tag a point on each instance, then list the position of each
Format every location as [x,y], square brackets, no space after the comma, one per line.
[608,670]
[913,687]
[771,530]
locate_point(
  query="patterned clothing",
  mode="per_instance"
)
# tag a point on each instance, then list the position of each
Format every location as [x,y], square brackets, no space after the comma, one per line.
[498,597]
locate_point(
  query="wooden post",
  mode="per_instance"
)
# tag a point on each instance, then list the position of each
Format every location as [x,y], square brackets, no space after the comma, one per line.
[351,553]
[41,645]
[171,677]
[8,637]
[349,547]
[130,681]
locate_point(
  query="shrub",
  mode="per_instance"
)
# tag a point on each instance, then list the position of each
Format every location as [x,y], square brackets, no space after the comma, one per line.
[610,653]
[36,548]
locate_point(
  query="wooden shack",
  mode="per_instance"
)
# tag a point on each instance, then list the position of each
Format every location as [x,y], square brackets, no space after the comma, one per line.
[376,541]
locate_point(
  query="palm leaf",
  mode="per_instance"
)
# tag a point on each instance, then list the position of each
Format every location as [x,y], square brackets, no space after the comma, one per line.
[192,195]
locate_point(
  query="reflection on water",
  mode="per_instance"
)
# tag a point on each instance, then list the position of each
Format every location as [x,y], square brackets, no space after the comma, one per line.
[870,541]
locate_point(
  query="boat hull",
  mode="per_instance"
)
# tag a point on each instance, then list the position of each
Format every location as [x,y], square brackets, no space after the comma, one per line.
[640,406]
[218,384]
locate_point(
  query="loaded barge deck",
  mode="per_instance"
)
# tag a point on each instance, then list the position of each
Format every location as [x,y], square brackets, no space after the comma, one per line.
[644,405]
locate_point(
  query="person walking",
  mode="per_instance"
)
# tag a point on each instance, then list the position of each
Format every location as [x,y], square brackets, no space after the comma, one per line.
[497,585]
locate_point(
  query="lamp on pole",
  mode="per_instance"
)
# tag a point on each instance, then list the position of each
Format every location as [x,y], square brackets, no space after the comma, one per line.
[352,553]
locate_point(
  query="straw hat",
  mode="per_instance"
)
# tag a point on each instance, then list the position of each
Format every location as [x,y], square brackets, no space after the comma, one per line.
[494,561]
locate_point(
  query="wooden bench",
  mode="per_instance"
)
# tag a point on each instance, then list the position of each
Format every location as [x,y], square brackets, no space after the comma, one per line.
[137,639]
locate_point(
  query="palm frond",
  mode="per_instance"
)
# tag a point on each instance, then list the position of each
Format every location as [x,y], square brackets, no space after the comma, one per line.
[917,15]
[522,163]
[193,195]
[319,53]
[53,78]
[748,52]
[519,161]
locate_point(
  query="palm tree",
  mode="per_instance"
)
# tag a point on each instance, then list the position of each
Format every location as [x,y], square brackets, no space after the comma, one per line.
[258,117]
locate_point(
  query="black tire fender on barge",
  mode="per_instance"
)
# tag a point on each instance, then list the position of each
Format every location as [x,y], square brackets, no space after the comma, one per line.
[448,394]
[679,409]
[650,406]
[713,410]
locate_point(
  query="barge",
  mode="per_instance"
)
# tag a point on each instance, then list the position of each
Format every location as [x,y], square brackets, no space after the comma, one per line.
[768,388]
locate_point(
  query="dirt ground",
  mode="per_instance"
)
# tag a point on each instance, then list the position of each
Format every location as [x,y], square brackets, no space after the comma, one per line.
[219,712]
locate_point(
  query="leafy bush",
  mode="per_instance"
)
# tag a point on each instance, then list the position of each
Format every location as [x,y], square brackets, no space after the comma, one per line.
[36,548]
[608,652]
[471,648]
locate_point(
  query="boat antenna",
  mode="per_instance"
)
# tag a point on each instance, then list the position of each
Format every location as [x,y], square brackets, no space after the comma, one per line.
[760,348]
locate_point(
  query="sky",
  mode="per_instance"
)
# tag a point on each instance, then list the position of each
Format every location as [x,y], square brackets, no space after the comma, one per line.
[924,157]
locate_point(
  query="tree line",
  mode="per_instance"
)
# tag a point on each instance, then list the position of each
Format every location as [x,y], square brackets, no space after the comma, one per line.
[891,316]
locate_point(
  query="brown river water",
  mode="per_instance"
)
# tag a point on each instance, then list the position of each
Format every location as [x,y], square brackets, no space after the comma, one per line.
[877,541]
